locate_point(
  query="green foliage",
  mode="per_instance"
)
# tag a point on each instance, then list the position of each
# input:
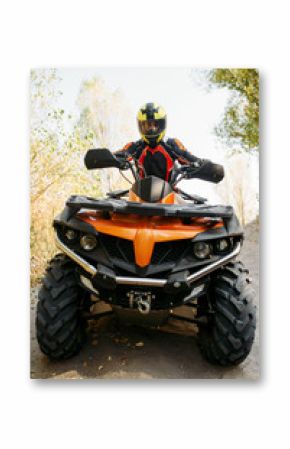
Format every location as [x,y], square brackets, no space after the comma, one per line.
[58,143]
[240,124]
[56,164]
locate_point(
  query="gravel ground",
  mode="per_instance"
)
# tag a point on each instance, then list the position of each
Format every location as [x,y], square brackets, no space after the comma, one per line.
[114,352]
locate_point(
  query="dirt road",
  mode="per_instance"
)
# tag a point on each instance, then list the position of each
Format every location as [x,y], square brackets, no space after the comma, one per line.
[113,352]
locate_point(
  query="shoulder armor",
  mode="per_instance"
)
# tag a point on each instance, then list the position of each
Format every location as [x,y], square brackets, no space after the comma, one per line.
[175,143]
[140,143]
[169,141]
[127,146]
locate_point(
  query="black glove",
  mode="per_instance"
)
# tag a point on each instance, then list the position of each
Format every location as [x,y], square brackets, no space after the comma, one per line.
[191,170]
[122,159]
[207,171]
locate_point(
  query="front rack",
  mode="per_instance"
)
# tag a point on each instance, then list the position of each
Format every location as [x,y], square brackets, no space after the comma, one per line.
[75,203]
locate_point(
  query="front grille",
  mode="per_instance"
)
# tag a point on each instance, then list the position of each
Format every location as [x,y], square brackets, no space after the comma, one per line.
[166,252]
[118,248]
[123,250]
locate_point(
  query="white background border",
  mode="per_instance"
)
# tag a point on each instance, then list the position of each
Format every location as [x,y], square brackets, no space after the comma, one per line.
[219,414]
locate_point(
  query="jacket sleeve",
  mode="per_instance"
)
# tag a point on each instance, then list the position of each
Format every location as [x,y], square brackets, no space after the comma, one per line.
[180,153]
[209,171]
[130,149]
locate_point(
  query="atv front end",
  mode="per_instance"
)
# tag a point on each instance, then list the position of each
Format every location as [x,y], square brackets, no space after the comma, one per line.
[131,260]
[145,262]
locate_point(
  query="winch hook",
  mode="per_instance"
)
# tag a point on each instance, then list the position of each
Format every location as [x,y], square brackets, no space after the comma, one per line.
[144,305]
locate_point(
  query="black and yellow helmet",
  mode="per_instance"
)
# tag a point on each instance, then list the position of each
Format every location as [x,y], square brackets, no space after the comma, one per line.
[152,123]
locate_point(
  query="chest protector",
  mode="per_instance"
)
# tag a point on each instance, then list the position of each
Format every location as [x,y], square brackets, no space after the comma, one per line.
[156,162]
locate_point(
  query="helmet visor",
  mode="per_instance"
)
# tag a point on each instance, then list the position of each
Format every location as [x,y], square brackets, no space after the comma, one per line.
[151,127]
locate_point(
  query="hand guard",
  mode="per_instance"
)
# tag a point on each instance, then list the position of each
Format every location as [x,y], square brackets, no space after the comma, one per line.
[206,170]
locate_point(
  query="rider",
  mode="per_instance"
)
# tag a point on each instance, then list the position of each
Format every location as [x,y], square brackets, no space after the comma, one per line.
[156,156]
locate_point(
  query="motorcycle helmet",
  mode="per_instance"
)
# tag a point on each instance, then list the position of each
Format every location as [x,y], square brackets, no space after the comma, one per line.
[152,123]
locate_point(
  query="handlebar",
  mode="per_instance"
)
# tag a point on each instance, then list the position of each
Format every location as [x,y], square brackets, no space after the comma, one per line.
[179,173]
[184,172]
[204,169]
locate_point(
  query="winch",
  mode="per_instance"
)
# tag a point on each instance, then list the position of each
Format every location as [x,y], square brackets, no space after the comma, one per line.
[141,300]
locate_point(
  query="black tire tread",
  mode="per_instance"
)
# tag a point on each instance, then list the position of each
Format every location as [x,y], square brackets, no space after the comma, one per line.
[59,329]
[230,336]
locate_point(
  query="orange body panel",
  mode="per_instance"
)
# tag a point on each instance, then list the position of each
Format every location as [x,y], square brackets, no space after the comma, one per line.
[134,197]
[169,199]
[145,231]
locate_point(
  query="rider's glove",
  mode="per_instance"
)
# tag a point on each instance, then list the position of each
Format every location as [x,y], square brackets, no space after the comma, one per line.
[196,164]
[193,168]
[122,161]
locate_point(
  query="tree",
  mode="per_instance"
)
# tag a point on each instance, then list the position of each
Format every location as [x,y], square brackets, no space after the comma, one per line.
[106,113]
[56,164]
[239,188]
[240,124]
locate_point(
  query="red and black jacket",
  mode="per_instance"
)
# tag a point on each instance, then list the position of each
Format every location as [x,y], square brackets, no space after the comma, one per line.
[158,161]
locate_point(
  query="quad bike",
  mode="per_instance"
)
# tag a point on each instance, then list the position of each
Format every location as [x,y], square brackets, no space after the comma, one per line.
[145,256]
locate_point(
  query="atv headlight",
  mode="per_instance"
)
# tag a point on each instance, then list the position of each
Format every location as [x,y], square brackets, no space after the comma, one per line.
[201,250]
[88,242]
[70,234]
[223,245]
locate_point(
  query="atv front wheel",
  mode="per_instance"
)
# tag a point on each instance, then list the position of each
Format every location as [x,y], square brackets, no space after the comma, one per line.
[59,327]
[228,338]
